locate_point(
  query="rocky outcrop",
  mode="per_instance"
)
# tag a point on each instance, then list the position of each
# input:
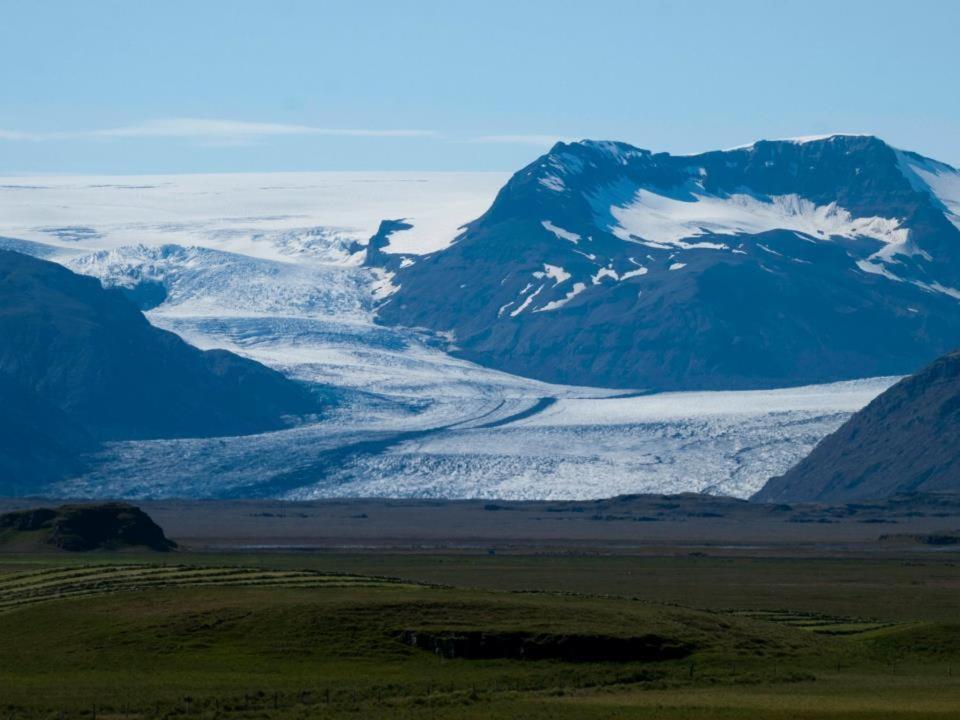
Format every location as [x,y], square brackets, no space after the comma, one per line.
[77,528]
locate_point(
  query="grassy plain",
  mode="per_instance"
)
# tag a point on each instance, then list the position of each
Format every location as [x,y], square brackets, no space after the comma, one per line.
[301,635]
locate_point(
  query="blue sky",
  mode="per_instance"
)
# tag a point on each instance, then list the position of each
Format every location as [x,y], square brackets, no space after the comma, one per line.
[173,86]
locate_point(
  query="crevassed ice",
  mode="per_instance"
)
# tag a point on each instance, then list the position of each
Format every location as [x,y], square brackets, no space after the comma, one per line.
[205,282]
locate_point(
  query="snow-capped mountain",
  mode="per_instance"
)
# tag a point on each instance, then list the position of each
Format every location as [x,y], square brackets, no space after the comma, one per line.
[775,264]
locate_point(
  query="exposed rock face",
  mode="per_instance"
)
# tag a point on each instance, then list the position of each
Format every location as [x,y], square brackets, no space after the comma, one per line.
[906,440]
[108,526]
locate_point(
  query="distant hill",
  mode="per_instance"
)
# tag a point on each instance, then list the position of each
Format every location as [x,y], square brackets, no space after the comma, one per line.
[107,526]
[782,263]
[80,364]
[906,440]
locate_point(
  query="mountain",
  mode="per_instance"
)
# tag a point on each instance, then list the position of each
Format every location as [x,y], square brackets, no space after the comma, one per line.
[780,263]
[80,364]
[37,440]
[907,440]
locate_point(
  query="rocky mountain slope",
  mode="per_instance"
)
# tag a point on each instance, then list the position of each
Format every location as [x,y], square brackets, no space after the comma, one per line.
[906,440]
[80,364]
[776,264]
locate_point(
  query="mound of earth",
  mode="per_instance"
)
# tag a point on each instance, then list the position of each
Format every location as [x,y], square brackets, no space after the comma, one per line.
[107,526]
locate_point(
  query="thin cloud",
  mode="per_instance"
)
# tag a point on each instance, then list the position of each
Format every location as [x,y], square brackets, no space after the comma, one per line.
[14,135]
[208,129]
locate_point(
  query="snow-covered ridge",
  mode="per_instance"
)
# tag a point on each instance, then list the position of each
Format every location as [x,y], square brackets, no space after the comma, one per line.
[936,178]
[799,140]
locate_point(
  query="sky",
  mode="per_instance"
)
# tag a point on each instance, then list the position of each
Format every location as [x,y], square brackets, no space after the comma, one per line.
[119,87]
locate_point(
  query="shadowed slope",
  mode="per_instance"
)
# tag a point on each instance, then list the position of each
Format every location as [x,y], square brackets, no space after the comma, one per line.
[907,440]
[80,364]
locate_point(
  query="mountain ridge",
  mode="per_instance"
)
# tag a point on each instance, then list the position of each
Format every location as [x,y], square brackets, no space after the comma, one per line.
[781,263]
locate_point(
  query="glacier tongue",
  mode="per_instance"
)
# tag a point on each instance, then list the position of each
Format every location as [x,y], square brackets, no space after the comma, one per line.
[270,267]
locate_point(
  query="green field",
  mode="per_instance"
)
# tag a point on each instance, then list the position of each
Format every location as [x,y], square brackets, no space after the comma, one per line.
[460,636]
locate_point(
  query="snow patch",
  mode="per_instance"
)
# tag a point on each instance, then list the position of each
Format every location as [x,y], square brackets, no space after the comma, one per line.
[874,268]
[668,221]
[634,273]
[557,273]
[552,182]
[526,302]
[769,250]
[620,152]
[602,273]
[938,288]
[554,304]
[560,232]
[383,286]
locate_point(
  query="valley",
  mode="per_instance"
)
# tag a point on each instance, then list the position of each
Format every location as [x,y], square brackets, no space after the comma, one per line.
[272,268]
[510,360]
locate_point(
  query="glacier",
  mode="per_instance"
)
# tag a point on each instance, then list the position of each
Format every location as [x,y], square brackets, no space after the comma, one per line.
[270,266]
